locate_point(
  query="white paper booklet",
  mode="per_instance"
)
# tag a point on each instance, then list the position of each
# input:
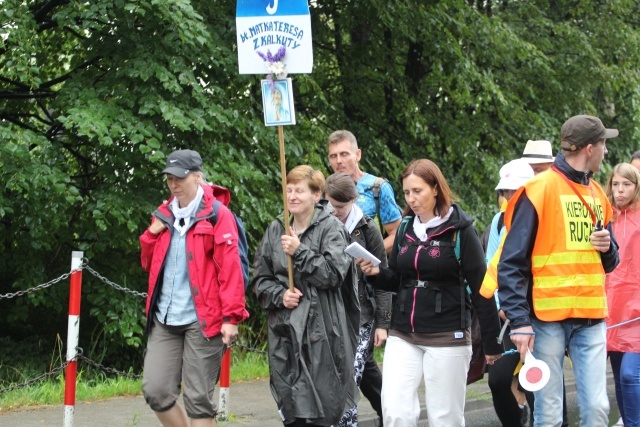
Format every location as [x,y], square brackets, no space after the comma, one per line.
[357,251]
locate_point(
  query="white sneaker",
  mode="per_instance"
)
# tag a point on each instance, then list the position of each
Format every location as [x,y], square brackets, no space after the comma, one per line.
[619,423]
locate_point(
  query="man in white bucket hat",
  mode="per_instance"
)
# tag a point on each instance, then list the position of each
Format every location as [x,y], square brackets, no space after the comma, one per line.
[539,155]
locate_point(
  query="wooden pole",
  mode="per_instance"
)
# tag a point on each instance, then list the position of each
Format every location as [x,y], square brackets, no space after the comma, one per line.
[287,228]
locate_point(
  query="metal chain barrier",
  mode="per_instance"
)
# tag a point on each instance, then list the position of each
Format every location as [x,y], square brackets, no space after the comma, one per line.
[34,380]
[84,266]
[107,369]
[44,285]
[114,285]
[78,356]
[249,349]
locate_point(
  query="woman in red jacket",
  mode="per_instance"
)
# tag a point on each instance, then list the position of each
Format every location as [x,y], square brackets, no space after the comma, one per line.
[193,305]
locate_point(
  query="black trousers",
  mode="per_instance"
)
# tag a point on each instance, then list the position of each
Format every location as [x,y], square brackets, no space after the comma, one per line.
[371,383]
[299,422]
[504,402]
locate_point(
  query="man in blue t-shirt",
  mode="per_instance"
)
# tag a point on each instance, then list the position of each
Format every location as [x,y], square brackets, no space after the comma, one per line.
[344,156]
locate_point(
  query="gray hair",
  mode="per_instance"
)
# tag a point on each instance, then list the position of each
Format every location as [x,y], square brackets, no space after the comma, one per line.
[343,135]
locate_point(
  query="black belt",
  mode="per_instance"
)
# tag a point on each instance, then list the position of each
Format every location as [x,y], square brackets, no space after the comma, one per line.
[422,284]
[583,322]
[418,283]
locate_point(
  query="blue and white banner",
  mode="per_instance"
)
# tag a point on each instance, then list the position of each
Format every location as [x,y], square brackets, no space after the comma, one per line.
[264,26]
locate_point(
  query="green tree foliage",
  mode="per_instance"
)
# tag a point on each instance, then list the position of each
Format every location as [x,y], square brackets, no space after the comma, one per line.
[93,95]
[468,83]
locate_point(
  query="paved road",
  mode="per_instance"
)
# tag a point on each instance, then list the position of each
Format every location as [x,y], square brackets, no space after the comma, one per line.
[486,417]
[251,404]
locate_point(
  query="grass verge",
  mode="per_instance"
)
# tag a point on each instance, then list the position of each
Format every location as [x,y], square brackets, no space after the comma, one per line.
[245,366]
[51,392]
[92,386]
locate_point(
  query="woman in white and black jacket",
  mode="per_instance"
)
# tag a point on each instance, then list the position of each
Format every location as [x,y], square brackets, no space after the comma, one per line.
[430,327]
[375,305]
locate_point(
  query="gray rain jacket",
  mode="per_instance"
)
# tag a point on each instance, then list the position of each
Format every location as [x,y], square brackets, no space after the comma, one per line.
[312,347]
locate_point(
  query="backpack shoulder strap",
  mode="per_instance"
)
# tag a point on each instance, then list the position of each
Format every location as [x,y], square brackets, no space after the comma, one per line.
[213,219]
[500,222]
[456,246]
[377,185]
[376,189]
[401,230]
[464,288]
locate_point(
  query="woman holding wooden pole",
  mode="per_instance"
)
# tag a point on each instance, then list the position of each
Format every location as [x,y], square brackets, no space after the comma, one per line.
[312,330]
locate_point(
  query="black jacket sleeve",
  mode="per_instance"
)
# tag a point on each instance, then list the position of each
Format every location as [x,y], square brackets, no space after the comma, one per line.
[388,279]
[375,245]
[514,268]
[611,258]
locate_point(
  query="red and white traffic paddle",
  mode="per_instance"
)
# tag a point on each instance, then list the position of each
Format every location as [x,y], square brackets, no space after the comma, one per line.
[534,374]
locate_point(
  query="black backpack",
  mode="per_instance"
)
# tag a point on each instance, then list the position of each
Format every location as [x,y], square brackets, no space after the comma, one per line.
[243,245]
[487,231]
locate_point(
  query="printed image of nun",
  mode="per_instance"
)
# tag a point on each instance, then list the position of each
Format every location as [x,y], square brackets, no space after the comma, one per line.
[277,102]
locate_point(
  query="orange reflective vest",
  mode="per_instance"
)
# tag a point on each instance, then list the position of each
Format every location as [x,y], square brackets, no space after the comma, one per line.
[568,277]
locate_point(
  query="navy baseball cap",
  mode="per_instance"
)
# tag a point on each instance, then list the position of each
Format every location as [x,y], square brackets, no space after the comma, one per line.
[182,162]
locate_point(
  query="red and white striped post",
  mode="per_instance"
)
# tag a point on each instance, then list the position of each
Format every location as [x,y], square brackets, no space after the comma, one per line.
[225,375]
[73,331]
